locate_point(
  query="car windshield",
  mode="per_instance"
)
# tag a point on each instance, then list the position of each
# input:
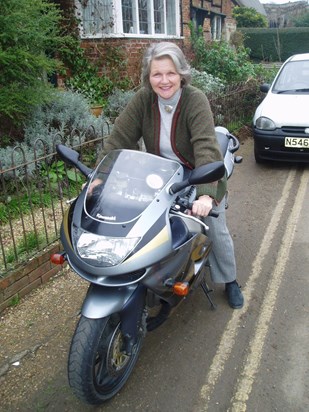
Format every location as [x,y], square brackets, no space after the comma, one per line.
[294,77]
[125,183]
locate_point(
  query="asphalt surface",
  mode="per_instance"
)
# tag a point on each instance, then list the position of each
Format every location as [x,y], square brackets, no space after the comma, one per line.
[254,359]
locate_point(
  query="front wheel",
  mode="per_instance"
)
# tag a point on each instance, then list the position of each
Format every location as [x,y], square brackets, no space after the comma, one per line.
[97,367]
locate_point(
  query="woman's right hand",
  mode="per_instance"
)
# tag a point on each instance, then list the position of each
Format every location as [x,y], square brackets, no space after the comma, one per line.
[92,186]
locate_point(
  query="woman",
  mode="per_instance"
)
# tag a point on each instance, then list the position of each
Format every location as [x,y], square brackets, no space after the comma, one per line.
[175,121]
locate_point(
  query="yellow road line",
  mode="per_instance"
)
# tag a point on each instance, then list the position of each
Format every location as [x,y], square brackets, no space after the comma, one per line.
[252,363]
[230,333]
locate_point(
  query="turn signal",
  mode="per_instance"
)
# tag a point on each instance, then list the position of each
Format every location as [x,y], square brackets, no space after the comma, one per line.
[57,258]
[181,288]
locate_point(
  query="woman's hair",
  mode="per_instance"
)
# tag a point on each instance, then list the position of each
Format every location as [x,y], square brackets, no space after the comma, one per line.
[165,49]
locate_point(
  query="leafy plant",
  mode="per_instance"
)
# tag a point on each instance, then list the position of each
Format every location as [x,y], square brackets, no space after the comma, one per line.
[56,173]
[68,115]
[97,76]
[93,87]
[248,17]
[117,101]
[28,39]
[231,65]
[206,82]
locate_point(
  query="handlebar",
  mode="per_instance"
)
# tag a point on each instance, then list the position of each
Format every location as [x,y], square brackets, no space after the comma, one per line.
[186,204]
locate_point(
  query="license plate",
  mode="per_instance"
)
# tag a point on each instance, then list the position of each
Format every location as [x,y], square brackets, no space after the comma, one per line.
[301,142]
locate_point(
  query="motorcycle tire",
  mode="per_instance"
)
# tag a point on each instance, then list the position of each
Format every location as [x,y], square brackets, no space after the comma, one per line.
[97,366]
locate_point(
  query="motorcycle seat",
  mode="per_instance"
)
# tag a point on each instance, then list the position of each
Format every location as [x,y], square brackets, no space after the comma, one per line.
[180,231]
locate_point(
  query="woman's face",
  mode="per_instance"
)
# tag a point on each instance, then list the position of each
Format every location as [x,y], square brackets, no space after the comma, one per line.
[163,77]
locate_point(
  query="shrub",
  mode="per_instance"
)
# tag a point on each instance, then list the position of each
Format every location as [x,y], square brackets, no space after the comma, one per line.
[249,17]
[276,44]
[206,82]
[67,119]
[93,87]
[117,101]
[29,36]
[68,115]
[230,64]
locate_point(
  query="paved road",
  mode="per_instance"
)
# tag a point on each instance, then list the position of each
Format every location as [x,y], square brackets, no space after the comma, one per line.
[254,359]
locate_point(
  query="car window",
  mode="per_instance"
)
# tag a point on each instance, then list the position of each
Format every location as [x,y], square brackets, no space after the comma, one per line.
[294,76]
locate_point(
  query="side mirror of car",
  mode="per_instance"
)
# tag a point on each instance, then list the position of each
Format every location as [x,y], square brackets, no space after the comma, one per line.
[265,87]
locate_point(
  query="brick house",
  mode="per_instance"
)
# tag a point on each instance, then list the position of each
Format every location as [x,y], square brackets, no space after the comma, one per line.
[133,24]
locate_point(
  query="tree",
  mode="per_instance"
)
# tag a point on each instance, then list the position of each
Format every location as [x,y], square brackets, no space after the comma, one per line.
[249,17]
[29,37]
[302,21]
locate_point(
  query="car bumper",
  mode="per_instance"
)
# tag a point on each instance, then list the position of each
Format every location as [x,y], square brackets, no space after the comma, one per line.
[270,146]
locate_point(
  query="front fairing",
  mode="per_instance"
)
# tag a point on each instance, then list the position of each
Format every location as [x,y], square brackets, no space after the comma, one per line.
[124,185]
[127,198]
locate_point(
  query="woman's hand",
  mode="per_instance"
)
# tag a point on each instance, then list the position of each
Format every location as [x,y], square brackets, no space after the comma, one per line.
[202,206]
[92,186]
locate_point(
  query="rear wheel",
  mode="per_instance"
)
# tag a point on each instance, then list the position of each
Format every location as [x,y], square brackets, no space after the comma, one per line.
[98,367]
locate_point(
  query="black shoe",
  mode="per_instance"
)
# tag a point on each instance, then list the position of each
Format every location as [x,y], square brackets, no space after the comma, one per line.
[234,295]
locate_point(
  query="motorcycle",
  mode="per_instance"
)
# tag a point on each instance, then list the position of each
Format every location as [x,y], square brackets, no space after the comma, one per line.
[129,234]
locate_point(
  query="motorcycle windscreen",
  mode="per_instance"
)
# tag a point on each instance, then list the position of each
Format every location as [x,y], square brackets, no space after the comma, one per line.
[125,183]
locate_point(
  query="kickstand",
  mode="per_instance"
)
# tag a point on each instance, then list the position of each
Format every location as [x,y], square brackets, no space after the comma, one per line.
[207,292]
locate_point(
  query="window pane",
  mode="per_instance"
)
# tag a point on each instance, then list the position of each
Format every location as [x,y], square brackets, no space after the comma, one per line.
[129,16]
[158,14]
[170,17]
[143,17]
[97,16]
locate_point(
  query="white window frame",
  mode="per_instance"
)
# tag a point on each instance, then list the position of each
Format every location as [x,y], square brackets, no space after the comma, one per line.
[216,27]
[117,29]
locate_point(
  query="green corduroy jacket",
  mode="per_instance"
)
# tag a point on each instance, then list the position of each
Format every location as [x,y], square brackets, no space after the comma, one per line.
[192,134]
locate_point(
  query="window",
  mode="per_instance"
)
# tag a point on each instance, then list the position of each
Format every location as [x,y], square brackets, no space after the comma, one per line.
[159,18]
[97,17]
[216,28]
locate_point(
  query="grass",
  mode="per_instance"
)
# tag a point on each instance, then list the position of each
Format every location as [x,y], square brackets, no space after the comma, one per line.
[29,243]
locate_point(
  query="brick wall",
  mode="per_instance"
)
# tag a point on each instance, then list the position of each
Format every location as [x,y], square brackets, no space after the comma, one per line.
[26,278]
[132,49]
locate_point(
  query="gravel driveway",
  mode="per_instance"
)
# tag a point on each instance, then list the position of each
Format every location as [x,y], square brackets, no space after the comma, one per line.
[34,340]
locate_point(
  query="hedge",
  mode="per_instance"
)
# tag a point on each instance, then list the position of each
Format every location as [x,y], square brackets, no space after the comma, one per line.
[276,44]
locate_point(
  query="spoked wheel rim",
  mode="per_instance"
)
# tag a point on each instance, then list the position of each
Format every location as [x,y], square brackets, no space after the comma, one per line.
[116,359]
[112,366]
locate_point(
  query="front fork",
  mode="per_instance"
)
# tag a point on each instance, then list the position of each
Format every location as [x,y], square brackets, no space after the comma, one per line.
[127,301]
[133,319]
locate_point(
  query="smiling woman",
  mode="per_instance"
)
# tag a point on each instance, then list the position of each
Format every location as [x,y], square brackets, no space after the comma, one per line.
[163,77]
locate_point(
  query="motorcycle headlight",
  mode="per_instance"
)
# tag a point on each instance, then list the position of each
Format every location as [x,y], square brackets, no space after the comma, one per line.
[264,123]
[103,250]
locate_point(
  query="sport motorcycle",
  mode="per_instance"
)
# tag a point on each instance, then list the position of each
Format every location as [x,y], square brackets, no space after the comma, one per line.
[130,235]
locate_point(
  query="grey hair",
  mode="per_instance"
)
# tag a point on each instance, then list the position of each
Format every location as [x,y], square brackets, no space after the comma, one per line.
[165,49]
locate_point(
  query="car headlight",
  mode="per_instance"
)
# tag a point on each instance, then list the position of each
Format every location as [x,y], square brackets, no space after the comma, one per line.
[103,250]
[265,123]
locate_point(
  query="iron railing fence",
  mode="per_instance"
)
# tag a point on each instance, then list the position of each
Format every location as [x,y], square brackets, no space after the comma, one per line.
[33,194]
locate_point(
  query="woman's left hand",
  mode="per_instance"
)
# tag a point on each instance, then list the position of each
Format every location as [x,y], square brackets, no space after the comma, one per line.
[202,206]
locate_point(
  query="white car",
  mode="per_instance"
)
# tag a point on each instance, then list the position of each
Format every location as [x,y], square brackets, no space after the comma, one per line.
[281,121]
